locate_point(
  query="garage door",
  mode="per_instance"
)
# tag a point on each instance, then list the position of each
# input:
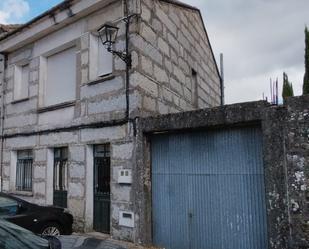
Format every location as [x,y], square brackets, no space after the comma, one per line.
[208,190]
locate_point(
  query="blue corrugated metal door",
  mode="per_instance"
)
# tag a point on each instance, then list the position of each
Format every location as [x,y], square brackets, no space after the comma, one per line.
[208,190]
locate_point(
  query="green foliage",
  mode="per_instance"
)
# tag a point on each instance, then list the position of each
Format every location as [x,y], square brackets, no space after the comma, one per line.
[306,76]
[287,89]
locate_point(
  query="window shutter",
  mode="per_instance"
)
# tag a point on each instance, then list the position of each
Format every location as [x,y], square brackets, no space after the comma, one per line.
[105,60]
[21,82]
[61,77]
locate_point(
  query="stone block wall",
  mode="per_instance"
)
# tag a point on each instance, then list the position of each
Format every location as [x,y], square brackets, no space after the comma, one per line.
[97,100]
[176,69]
[80,186]
[173,69]
[297,163]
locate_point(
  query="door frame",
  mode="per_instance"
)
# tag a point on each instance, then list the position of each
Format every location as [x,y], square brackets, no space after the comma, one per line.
[89,191]
[89,208]
[50,177]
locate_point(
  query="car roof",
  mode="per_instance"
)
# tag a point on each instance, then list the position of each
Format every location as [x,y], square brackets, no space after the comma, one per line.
[22,236]
[16,198]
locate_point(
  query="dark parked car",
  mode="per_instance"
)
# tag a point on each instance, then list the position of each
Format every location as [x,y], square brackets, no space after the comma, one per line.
[15,237]
[46,220]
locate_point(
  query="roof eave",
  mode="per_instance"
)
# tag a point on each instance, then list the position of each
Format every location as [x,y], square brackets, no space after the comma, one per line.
[63,5]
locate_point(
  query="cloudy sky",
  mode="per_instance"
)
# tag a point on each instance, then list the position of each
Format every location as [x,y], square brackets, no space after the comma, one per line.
[259,39]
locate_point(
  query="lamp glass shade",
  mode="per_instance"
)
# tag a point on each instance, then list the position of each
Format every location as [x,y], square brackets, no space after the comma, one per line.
[108,34]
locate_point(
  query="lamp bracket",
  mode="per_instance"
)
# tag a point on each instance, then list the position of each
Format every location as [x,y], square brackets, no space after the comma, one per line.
[127,19]
[122,55]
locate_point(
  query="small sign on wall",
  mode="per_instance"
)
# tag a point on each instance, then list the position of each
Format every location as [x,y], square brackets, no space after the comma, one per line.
[125,176]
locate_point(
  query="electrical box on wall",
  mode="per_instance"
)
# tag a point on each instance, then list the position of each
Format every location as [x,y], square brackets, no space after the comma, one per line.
[126,219]
[124,176]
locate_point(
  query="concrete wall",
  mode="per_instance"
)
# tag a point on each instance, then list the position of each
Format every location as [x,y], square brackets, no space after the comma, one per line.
[285,155]
[171,42]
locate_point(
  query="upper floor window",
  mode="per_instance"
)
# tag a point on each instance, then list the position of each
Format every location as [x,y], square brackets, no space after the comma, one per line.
[194,88]
[101,61]
[60,78]
[21,82]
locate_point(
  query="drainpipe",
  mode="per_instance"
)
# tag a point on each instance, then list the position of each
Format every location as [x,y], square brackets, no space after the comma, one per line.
[2,63]
[128,67]
[222,79]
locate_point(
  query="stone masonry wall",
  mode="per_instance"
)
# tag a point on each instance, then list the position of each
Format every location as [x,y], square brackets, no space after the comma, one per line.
[121,143]
[170,43]
[100,99]
[165,43]
[297,163]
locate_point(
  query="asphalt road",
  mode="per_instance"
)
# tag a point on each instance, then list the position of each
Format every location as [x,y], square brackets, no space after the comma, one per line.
[80,242]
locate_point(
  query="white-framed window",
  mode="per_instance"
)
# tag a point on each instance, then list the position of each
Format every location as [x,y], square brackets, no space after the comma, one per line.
[58,77]
[21,82]
[101,61]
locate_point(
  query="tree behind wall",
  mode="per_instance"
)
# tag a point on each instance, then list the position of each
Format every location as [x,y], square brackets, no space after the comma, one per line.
[287,89]
[306,76]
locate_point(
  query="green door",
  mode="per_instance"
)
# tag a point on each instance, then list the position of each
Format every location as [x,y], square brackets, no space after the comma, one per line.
[101,221]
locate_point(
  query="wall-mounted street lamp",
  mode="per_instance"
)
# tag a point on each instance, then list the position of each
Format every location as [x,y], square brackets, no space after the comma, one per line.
[108,35]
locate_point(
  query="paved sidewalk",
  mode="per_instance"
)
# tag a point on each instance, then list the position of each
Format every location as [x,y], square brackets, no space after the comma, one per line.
[95,241]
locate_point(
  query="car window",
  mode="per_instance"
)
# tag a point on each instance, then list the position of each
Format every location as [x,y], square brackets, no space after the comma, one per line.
[8,206]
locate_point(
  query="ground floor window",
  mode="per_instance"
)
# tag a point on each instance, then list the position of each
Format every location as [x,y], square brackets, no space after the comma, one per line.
[24,170]
[60,176]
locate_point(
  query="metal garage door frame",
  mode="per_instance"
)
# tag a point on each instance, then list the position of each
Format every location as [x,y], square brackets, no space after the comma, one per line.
[261,217]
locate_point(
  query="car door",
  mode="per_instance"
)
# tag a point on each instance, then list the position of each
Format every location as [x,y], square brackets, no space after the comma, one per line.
[16,212]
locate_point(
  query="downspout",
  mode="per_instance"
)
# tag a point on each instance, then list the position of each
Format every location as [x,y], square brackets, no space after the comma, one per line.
[2,66]
[128,67]
[222,79]
[128,63]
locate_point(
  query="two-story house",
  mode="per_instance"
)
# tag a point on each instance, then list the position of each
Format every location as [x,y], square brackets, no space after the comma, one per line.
[69,106]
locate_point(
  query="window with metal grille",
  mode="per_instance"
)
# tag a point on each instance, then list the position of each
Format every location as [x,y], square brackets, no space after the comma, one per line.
[60,168]
[24,170]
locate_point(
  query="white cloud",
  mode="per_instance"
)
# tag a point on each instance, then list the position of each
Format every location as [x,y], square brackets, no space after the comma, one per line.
[12,11]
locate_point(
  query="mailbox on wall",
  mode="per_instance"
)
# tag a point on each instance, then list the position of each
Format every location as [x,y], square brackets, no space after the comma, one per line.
[126,219]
